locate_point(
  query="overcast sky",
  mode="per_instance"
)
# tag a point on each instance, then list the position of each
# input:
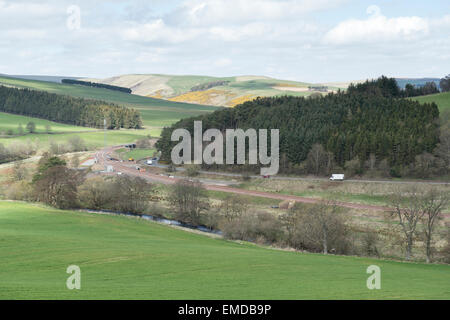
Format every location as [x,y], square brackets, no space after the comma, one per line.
[305,40]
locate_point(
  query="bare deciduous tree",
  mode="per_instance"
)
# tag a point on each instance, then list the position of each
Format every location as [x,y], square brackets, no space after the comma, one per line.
[317,158]
[190,200]
[407,209]
[20,172]
[433,202]
[96,193]
[321,226]
[131,194]
[57,186]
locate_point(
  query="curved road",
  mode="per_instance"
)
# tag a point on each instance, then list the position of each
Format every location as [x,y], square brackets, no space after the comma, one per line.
[129,169]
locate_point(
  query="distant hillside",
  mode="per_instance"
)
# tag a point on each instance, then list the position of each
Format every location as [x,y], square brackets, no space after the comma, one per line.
[56,79]
[418,82]
[154,112]
[441,99]
[226,91]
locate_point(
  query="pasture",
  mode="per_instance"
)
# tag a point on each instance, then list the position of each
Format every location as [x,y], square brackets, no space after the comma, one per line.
[12,121]
[441,99]
[92,139]
[130,258]
[136,154]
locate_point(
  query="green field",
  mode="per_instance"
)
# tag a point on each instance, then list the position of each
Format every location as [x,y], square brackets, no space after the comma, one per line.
[91,139]
[441,99]
[154,112]
[136,154]
[11,122]
[128,258]
[60,133]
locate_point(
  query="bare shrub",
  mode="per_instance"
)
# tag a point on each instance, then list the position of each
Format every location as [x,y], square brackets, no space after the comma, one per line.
[95,193]
[76,144]
[233,206]
[369,244]
[263,227]
[318,228]
[131,194]
[193,170]
[189,200]
[20,190]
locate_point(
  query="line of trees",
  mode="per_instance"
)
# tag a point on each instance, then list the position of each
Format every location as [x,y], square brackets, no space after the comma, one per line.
[389,88]
[322,228]
[445,83]
[69,110]
[96,85]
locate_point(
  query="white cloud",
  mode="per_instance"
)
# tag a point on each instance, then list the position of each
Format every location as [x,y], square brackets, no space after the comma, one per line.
[158,31]
[239,33]
[23,34]
[281,38]
[377,28]
[207,12]
[223,62]
[9,9]
[442,23]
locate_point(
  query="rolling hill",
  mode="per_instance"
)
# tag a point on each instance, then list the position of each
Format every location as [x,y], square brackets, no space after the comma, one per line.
[226,91]
[155,113]
[129,258]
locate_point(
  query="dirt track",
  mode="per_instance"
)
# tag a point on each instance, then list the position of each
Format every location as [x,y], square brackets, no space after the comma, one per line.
[103,156]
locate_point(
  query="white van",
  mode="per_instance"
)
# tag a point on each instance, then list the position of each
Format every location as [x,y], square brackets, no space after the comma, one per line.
[337,177]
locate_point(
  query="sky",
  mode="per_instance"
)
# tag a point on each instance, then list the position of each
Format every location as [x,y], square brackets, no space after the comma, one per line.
[303,40]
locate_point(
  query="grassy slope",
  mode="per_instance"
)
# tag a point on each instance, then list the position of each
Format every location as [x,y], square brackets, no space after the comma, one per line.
[12,121]
[441,99]
[60,133]
[92,139]
[125,258]
[154,112]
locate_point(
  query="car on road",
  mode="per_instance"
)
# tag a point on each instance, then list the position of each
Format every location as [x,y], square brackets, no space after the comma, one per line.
[130,159]
[119,173]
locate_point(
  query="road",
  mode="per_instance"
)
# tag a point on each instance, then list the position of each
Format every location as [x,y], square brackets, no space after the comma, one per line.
[238,175]
[214,185]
